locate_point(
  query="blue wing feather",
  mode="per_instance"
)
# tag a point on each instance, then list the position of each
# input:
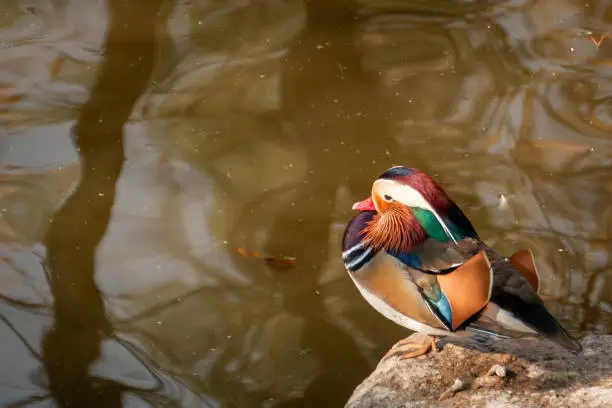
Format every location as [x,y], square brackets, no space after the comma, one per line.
[444,309]
[408,259]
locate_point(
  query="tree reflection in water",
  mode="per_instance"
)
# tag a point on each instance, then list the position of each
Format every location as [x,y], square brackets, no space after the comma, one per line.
[73,344]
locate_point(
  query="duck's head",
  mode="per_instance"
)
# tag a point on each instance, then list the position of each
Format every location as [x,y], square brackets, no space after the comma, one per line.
[402,186]
[410,206]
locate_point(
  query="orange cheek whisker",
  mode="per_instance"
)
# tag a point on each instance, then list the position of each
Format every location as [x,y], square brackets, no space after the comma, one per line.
[396,229]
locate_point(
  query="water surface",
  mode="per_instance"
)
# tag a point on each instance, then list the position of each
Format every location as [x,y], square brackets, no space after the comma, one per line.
[256,125]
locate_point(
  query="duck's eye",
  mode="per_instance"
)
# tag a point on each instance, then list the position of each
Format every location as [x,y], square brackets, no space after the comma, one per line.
[388,198]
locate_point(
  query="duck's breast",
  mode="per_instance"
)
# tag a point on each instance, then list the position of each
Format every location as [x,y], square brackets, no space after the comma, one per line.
[385,284]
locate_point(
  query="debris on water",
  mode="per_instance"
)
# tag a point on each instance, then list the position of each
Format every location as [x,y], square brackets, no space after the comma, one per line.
[8,97]
[11,98]
[56,66]
[502,201]
[276,262]
[32,10]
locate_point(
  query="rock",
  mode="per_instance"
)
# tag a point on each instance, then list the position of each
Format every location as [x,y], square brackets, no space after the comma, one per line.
[493,373]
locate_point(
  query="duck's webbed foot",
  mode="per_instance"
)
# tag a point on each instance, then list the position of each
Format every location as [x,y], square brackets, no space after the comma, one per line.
[413,346]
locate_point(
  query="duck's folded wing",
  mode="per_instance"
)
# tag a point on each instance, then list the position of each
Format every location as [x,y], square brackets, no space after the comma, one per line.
[448,299]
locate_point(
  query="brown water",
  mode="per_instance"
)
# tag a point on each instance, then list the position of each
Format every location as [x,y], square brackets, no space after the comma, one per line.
[256,125]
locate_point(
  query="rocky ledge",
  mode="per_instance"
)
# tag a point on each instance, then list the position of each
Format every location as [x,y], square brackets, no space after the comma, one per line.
[493,373]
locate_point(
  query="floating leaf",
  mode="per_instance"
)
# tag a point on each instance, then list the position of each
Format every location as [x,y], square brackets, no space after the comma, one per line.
[56,66]
[11,98]
[276,262]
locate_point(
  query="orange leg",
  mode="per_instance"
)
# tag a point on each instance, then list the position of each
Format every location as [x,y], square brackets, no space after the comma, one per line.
[411,347]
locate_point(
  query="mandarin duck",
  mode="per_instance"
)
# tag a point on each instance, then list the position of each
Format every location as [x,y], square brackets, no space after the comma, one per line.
[417,259]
